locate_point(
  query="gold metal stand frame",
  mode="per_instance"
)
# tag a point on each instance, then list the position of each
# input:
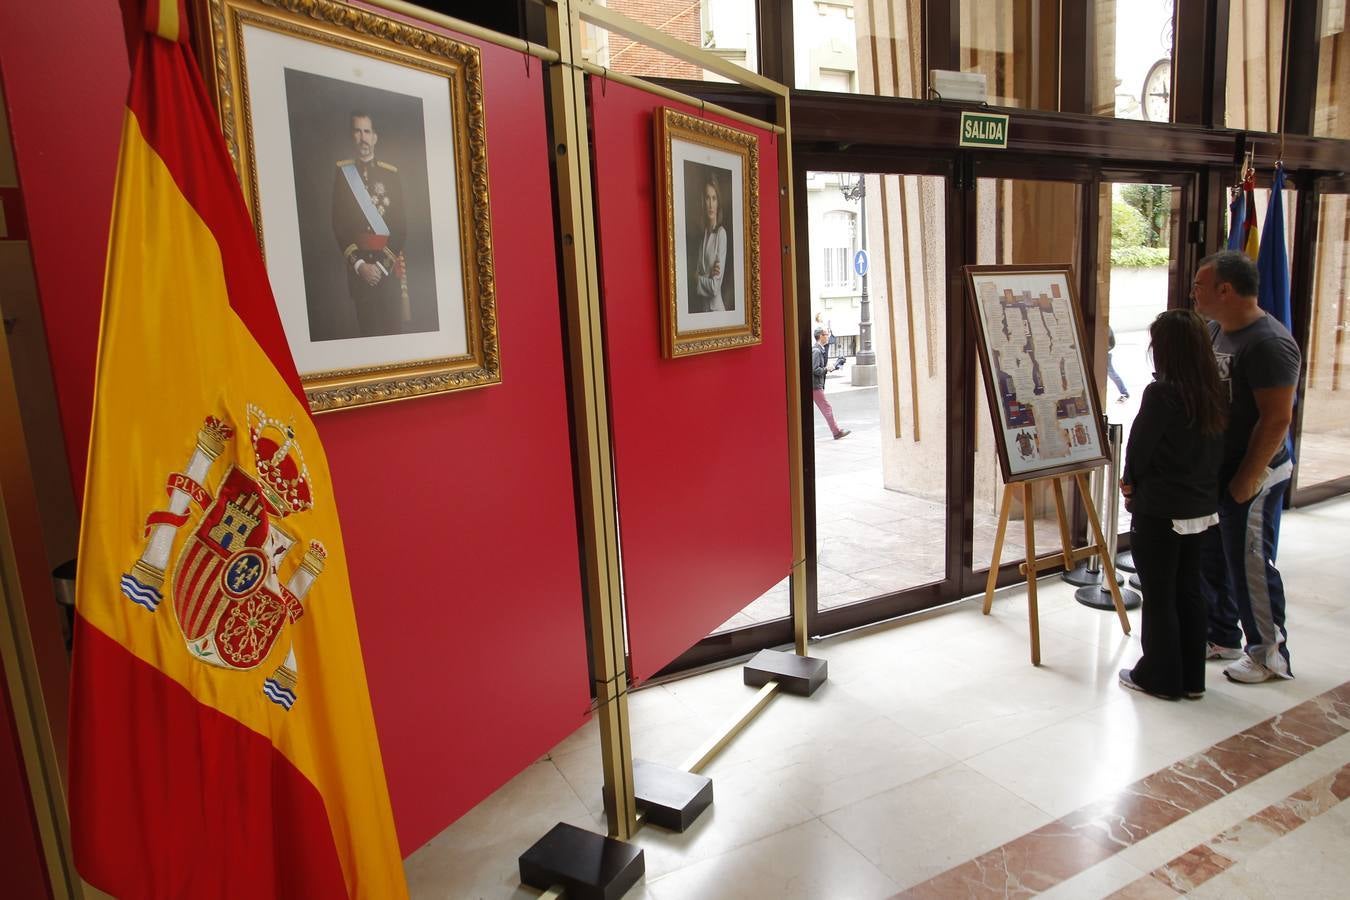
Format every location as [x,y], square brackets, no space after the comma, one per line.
[600,533]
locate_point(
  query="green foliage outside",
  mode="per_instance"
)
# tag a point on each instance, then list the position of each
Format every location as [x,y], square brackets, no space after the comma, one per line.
[1154,206]
[1139,227]
[1139,257]
[1127,226]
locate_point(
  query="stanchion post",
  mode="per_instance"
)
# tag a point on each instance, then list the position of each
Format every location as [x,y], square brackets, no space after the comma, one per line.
[1106,593]
[1088,572]
[1111,493]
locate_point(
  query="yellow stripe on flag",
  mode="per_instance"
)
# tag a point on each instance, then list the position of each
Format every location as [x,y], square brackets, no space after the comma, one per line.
[166,22]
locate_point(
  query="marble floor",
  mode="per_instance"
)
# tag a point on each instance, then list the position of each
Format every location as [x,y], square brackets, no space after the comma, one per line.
[937,762]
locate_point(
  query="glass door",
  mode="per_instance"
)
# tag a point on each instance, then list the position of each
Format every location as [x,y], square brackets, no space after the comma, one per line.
[1323,440]
[1027,216]
[873,283]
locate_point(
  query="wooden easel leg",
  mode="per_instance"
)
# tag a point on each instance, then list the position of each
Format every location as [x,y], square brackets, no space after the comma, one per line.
[1065,541]
[1033,615]
[998,548]
[1108,564]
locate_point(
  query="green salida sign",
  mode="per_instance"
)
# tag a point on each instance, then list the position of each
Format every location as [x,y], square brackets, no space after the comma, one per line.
[984,130]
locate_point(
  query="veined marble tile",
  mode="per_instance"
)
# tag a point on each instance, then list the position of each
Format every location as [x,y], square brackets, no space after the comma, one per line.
[843,767]
[739,815]
[807,861]
[1105,878]
[1067,765]
[1308,862]
[1200,826]
[1082,839]
[920,829]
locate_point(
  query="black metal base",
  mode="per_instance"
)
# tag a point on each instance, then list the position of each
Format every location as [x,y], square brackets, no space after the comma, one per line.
[670,798]
[1080,576]
[1125,561]
[1098,598]
[589,866]
[795,674]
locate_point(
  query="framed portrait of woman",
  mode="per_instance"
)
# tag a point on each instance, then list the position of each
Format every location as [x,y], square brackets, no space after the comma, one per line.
[361,148]
[707,177]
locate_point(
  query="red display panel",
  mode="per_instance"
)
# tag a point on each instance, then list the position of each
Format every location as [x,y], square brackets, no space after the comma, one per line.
[458,513]
[457,510]
[700,443]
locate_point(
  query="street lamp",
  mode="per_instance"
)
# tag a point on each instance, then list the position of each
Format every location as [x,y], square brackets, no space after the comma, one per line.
[864,364]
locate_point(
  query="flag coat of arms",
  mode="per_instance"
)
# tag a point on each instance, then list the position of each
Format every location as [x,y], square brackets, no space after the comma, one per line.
[222,737]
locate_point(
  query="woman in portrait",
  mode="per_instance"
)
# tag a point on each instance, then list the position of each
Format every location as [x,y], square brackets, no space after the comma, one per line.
[712,256]
[1171,486]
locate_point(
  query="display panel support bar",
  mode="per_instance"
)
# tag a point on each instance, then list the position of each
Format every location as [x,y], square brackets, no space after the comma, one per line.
[595,469]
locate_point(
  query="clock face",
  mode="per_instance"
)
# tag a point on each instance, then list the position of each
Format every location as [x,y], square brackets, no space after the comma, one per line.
[1157,100]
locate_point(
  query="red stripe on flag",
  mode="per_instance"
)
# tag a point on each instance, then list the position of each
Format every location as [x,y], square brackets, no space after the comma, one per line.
[176,118]
[170,798]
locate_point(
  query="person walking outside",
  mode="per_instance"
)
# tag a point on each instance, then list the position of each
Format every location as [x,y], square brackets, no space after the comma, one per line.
[830,342]
[1171,486]
[1111,369]
[1259,364]
[820,360]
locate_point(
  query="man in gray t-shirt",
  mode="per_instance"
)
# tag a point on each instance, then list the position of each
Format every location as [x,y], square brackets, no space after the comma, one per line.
[1259,365]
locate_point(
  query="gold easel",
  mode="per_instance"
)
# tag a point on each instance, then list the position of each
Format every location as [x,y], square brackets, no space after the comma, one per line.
[1067,554]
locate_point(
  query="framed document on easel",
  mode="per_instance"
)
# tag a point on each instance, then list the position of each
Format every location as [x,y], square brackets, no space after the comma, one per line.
[1037,370]
[1045,408]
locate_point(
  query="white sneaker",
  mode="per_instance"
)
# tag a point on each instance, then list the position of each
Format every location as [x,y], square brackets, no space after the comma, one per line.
[1219,651]
[1249,671]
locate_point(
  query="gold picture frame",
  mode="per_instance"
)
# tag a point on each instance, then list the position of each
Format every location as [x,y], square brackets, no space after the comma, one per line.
[707,199]
[361,146]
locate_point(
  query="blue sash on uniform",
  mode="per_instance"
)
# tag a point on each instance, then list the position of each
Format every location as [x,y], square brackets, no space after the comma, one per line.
[364,201]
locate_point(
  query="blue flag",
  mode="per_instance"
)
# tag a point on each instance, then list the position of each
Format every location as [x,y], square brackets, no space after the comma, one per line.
[1237,212]
[1272,265]
[1272,262]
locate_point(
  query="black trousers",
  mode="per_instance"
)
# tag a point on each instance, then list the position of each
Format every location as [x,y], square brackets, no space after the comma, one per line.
[1176,620]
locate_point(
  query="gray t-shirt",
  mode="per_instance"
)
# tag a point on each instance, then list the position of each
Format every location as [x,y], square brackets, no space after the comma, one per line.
[1262,355]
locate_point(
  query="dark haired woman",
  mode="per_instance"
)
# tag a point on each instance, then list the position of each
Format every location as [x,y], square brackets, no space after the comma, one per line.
[712,252]
[1171,487]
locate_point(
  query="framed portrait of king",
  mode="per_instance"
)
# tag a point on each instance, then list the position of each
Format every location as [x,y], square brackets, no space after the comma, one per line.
[361,147]
[707,211]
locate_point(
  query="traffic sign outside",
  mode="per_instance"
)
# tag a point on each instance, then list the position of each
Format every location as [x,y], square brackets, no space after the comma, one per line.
[860,262]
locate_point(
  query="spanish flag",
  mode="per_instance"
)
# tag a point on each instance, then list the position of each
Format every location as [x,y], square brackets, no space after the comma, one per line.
[1251,243]
[222,740]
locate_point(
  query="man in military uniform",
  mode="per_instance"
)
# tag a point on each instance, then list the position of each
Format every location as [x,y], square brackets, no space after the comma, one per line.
[370,228]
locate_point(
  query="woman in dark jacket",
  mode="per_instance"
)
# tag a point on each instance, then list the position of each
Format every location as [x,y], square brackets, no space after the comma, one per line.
[1171,488]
